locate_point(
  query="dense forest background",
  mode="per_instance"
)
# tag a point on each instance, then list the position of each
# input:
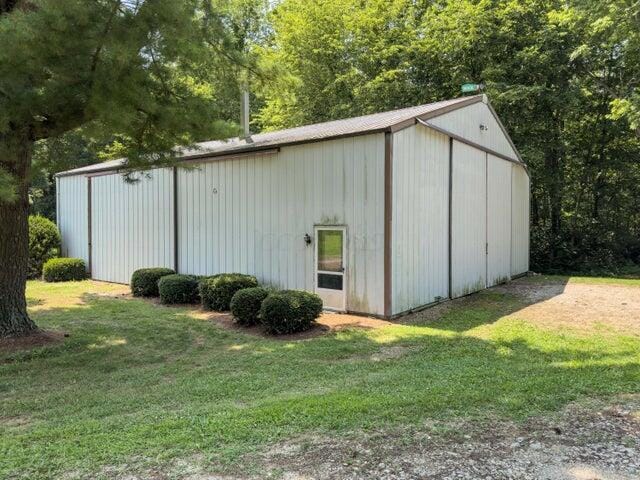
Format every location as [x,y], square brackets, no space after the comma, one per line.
[563,76]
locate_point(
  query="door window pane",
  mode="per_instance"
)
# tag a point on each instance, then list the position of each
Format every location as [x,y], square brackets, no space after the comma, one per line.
[328,280]
[330,250]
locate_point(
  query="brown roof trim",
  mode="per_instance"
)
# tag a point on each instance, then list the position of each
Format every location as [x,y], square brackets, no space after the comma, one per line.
[213,156]
[504,131]
[474,144]
[197,159]
[450,108]
[436,113]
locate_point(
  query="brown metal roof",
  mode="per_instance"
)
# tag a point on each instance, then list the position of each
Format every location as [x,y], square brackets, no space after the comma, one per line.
[377,122]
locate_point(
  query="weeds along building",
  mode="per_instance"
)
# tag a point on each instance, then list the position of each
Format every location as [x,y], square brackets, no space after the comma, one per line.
[380,214]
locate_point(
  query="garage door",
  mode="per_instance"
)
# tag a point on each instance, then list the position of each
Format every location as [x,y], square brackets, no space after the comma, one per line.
[468,220]
[498,220]
[131,224]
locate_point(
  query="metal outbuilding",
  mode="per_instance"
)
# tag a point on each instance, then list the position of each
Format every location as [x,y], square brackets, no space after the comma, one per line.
[380,214]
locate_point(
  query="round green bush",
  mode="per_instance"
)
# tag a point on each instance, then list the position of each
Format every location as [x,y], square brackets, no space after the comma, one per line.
[217,291]
[290,311]
[178,289]
[246,303]
[64,270]
[44,243]
[144,282]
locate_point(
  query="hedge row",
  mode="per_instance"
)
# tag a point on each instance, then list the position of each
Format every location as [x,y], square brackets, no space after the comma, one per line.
[215,292]
[281,312]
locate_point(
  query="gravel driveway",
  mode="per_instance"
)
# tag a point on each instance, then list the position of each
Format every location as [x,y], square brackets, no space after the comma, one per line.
[584,442]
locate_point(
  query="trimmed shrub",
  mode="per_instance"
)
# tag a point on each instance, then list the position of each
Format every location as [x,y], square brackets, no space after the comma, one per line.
[144,282]
[290,311]
[217,291]
[177,288]
[246,304]
[64,270]
[44,243]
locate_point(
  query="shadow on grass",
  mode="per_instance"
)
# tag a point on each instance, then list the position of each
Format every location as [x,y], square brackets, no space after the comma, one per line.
[488,306]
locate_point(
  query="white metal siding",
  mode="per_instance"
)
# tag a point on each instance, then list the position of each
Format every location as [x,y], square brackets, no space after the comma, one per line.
[250,215]
[520,221]
[469,220]
[498,220]
[131,224]
[420,218]
[72,216]
[465,122]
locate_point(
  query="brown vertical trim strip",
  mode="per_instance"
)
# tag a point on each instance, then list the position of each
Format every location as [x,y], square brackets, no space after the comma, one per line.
[89,220]
[486,220]
[511,222]
[388,224]
[450,213]
[175,219]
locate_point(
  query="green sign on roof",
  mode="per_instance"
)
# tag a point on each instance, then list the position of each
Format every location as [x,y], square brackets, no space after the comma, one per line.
[471,87]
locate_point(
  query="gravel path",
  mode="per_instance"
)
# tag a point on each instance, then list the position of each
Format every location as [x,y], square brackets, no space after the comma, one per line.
[581,443]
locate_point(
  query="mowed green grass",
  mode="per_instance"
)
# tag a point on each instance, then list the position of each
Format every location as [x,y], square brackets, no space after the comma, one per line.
[631,281]
[139,385]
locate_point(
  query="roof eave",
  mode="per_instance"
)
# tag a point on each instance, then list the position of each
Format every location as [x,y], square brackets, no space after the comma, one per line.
[252,149]
[226,154]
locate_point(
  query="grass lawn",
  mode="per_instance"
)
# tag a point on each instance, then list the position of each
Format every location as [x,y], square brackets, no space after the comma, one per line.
[139,384]
[631,281]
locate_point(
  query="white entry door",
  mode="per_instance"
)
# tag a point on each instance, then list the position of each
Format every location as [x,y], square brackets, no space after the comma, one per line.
[330,266]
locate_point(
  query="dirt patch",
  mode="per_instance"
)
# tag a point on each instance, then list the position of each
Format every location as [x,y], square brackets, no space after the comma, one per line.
[390,353]
[15,421]
[41,338]
[341,321]
[588,307]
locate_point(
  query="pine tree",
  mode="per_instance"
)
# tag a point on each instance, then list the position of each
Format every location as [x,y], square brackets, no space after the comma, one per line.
[147,73]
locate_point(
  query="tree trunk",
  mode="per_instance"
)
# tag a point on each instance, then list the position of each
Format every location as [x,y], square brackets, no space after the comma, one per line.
[15,157]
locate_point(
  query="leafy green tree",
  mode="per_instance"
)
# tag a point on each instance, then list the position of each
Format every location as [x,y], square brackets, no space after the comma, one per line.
[147,73]
[562,75]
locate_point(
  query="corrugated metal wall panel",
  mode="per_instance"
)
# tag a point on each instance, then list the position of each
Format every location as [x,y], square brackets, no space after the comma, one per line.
[250,215]
[72,200]
[131,224]
[469,220]
[520,221]
[465,123]
[498,220]
[420,245]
